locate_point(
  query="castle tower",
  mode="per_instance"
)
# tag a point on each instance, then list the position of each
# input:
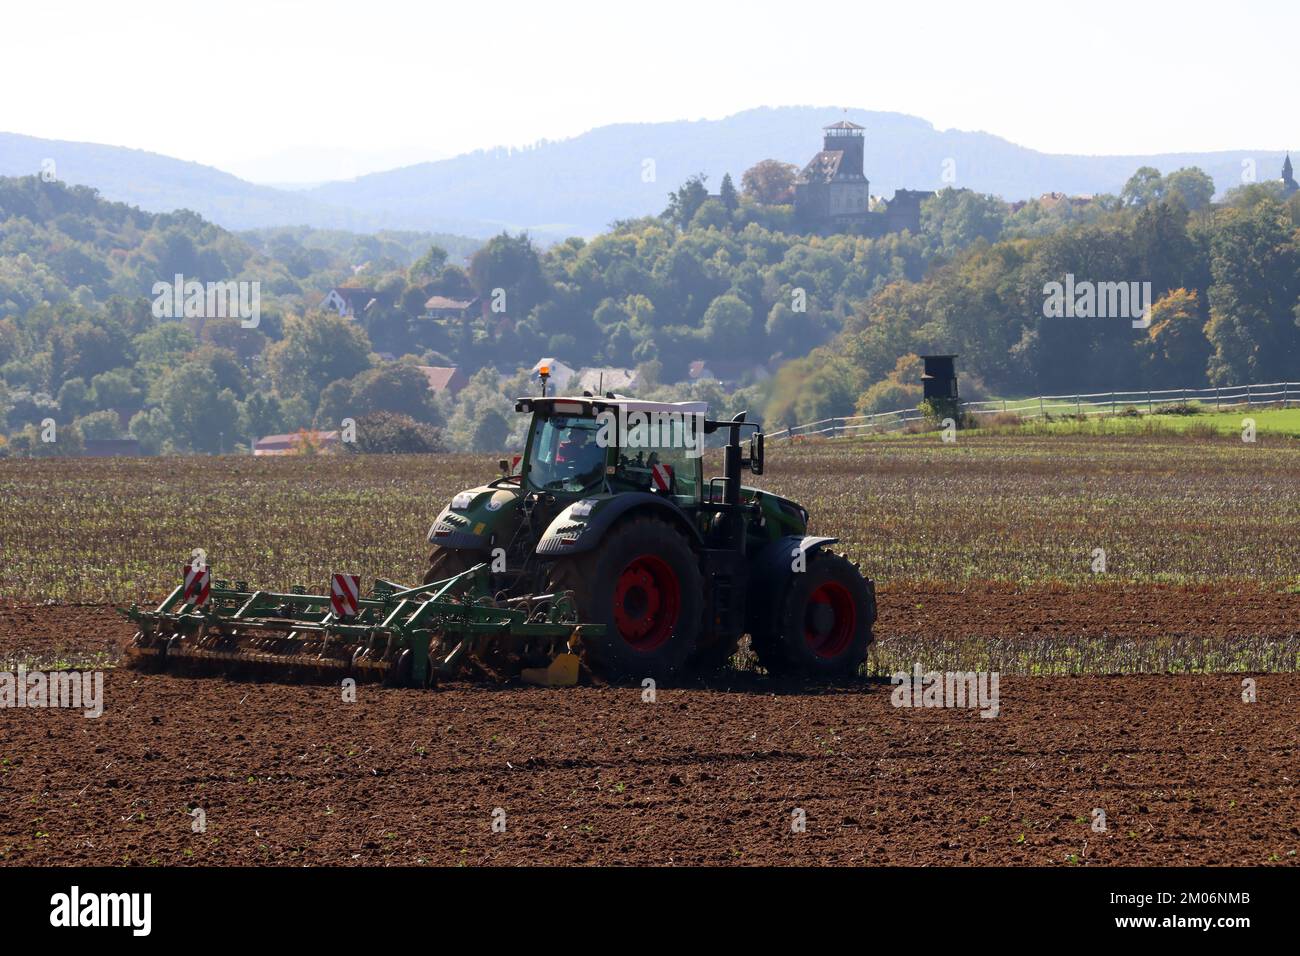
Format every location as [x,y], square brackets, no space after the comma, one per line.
[846,138]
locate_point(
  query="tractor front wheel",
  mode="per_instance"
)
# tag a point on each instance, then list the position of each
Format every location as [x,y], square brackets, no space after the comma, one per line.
[448,562]
[822,625]
[642,582]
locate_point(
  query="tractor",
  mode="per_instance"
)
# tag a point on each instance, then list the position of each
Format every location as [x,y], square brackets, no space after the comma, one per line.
[603,545]
[609,501]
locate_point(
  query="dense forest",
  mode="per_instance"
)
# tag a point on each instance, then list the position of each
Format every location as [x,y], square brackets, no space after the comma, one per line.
[721,280]
[1225,281]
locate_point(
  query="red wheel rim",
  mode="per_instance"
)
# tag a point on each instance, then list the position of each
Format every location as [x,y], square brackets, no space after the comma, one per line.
[830,620]
[647,600]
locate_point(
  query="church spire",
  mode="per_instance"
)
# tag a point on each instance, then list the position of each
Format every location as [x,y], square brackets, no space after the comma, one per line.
[1289,185]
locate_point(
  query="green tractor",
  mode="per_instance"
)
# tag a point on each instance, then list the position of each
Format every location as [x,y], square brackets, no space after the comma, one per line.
[609,501]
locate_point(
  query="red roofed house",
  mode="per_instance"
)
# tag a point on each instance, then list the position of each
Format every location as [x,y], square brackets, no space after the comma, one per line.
[296,443]
[449,379]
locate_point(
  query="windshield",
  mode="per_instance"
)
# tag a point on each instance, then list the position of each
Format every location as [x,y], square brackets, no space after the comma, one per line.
[564,454]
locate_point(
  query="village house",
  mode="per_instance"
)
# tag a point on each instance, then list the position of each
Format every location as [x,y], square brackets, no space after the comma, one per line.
[442,307]
[441,378]
[598,381]
[351,301]
[296,443]
[561,374]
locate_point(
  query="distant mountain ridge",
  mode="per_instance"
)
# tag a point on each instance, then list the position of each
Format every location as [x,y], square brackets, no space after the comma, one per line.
[580,185]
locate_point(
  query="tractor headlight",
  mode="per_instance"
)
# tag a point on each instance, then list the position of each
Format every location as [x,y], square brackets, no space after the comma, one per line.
[462,501]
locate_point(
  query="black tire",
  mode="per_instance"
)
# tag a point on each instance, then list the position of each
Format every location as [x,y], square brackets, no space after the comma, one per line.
[399,674]
[642,582]
[448,562]
[822,626]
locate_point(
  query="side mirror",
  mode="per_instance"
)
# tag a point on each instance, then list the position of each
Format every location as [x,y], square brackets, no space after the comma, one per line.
[756,453]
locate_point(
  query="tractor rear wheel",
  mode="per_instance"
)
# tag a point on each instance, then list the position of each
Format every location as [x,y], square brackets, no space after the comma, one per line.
[642,582]
[448,562]
[822,624]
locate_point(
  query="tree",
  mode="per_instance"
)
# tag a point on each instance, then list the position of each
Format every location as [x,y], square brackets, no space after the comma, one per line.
[686,201]
[727,322]
[770,182]
[1143,188]
[712,214]
[1193,187]
[388,433]
[727,194]
[1176,339]
[394,387]
[316,349]
[507,273]
[953,219]
[200,415]
[428,266]
[104,424]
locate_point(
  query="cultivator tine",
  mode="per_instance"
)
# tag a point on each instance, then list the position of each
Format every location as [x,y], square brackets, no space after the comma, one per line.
[395,634]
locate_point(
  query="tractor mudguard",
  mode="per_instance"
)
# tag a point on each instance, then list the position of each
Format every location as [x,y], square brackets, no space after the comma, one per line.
[472,526]
[580,526]
[772,569]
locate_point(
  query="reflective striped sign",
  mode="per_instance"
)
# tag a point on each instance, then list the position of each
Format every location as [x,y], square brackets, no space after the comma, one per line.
[345,591]
[198,583]
[663,476]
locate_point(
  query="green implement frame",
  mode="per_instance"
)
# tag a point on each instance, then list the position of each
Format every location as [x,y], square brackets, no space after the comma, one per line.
[401,635]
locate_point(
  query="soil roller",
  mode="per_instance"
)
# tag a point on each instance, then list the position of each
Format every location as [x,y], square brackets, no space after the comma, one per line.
[398,635]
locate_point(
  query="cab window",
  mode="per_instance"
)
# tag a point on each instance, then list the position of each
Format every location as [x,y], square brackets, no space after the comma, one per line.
[565,455]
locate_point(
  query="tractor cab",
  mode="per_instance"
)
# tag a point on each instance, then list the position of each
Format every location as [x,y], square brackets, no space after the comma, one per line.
[583,446]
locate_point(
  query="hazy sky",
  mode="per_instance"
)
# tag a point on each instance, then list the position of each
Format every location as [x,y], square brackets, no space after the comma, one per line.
[300,91]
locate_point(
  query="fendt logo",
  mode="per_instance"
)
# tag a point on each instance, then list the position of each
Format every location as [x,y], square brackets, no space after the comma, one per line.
[76,909]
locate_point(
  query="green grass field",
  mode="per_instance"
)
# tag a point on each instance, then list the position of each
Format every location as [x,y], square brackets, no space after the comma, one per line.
[1283,422]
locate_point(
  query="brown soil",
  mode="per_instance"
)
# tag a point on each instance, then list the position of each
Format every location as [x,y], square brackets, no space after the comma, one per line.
[1185,771]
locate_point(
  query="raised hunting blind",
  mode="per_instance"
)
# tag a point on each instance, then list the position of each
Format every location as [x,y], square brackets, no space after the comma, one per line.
[939,379]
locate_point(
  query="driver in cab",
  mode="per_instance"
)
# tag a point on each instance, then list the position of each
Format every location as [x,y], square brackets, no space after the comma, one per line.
[581,456]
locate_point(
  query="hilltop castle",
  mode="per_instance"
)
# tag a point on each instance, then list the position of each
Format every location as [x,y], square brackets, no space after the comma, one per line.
[832,193]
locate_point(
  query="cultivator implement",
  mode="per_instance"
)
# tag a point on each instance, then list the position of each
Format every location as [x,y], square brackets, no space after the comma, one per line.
[399,635]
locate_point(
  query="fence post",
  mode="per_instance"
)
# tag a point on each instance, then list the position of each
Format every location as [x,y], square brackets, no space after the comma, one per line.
[1041,414]
[1078,406]
[1218,406]
[1149,409]
[1112,404]
[1248,402]
[1285,400]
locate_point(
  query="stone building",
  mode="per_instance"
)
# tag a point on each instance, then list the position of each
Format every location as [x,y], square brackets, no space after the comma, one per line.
[832,194]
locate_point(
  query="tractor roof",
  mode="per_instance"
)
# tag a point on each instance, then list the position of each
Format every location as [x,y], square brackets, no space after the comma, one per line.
[590,405]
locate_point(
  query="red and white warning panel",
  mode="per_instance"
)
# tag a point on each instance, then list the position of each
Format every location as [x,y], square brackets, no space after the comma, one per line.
[663,476]
[198,583]
[345,591]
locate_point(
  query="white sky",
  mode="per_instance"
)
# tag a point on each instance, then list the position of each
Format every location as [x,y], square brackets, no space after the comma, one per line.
[278,89]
